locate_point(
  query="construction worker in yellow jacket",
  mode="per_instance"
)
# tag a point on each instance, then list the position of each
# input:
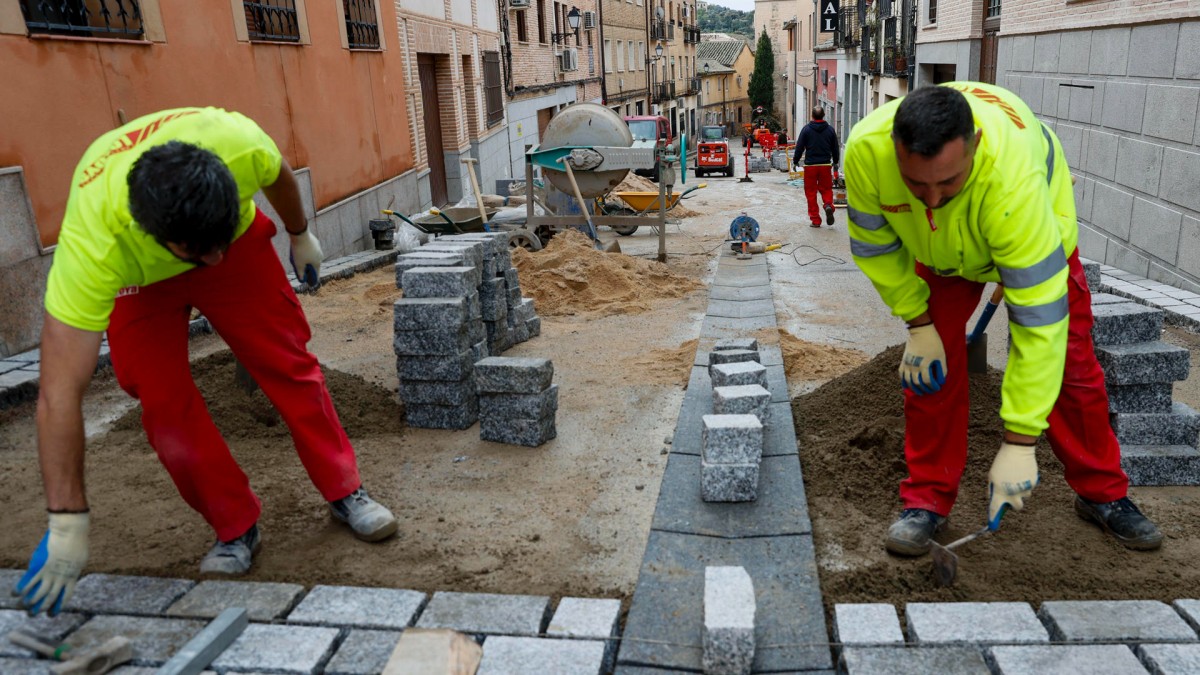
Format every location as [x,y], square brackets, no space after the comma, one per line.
[949,188]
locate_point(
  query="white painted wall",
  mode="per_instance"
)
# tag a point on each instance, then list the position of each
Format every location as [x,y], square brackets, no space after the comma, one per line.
[434,8]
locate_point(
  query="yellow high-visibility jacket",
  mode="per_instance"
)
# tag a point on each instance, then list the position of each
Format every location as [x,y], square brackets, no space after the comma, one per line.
[1013,222]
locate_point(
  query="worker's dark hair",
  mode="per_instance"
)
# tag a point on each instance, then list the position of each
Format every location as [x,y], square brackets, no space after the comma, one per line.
[183,194]
[818,113]
[931,117]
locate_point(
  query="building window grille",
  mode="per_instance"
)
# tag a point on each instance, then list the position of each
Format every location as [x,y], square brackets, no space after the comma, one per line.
[492,88]
[362,28]
[932,11]
[120,19]
[272,20]
[993,8]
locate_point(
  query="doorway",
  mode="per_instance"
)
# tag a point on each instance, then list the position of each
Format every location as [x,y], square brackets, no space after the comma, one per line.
[431,106]
[991,43]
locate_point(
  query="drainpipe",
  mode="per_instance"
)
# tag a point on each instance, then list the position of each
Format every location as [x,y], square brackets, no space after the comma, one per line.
[599,34]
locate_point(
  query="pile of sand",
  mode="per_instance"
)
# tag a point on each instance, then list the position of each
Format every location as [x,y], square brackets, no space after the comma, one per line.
[666,366]
[803,360]
[570,277]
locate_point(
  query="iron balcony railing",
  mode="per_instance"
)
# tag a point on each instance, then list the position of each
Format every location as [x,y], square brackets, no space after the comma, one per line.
[691,35]
[121,19]
[664,92]
[658,30]
[362,31]
[693,86]
[849,32]
[272,20]
[889,47]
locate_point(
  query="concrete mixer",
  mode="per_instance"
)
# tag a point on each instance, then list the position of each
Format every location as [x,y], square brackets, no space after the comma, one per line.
[586,151]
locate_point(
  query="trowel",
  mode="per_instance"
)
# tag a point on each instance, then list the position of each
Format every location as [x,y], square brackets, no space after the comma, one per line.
[977,340]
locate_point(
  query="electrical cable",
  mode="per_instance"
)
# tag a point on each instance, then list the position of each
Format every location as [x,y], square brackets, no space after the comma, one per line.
[821,256]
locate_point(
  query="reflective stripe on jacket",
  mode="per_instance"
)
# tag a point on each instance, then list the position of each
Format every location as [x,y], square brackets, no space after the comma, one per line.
[1013,222]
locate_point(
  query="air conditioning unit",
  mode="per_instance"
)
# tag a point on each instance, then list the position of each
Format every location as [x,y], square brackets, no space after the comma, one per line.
[589,20]
[568,60]
[518,4]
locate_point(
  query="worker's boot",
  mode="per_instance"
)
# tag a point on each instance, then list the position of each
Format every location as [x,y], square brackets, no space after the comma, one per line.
[912,532]
[232,557]
[370,520]
[1123,521]
[829,215]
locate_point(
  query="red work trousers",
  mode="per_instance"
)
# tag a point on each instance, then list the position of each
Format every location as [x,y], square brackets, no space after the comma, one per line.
[248,300]
[818,178]
[935,435]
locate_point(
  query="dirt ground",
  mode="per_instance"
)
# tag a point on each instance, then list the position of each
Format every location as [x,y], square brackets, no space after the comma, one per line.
[851,433]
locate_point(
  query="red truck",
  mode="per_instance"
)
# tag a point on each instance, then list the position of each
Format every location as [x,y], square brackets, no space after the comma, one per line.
[712,152]
[646,128]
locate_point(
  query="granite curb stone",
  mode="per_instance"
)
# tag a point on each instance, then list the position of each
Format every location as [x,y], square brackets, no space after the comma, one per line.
[912,660]
[441,282]
[436,342]
[732,356]
[447,367]
[527,432]
[729,609]
[504,655]
[154,639]
[749,399]
[385,608]
[866,624]
[486,613]
[115,594]
[732,439]
[1181,426]
[513,375]
[973,623]
[430,313]
[728,344]
[439,393]
[1161,464]
[1140,398]
[1126,323]
[728,482]
[472,252]
[524,406]
[279,649]
[442,416]
[1114,621]
[1066,660]
[363,652]
[264,601]
[426,259]
[1143,363]
[1170,659]
[741,373]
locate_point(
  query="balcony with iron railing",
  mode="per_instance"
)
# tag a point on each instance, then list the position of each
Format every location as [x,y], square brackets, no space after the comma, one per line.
[888,47]
[664,92]
[658,30]
[849,32]
[691,35]
[693,86]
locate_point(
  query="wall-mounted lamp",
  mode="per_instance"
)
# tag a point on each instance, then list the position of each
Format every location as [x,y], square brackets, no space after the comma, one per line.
[573,18]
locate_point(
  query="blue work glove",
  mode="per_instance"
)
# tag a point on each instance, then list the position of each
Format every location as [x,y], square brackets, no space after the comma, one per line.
[923,368]
[306,258]
[56,564]
[1011,480]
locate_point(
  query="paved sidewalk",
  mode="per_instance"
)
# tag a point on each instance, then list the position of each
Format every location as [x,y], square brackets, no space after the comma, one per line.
[1182,307]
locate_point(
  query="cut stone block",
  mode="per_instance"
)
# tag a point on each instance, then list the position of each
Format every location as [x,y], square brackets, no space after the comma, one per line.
[113,594]
[1091,270]
[154,639]
[8,581]
[525,310]
[519,655]
[441,282]
[430,313]
[263,601]
[1114,621]
[425,259]
[1181,426]
[729,608]
[738,374]
[513,375]
[728,344]
[443,368]
[1140,398]
[732,439]
[437,342]
[479,351]
[494,300]
[1066,660]
[472,252]
[906,661]
[1170,659]
[973,623]
[750,399]
[45,628]
[363,652]
[1161,464]
[512,279]
[1190,609]
[534,326]
[486,613]
[1143,363]
[358,607]
[520,332]
[1106,299]
[514,297]
[423,416]
[527,432]
[490,244]
[866,624]
[522,406]
[732,356]
[728,482]
[585,618]
[438,393]
[1126,323]
[278,649]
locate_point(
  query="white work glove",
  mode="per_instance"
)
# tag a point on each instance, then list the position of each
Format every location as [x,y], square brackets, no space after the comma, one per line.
[923,368]
[1012,478]
[306,257]
[56,564]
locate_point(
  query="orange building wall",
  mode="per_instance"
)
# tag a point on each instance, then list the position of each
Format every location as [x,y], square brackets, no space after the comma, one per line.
[340,113]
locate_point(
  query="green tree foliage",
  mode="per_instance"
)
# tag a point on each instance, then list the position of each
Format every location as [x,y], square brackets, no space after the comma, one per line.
[762,86]
[718,19]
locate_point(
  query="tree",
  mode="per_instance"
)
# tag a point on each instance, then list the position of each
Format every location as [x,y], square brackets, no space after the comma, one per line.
[762,81]
[717,19]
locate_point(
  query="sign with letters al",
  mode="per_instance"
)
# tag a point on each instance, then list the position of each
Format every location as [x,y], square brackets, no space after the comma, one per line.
[829,16]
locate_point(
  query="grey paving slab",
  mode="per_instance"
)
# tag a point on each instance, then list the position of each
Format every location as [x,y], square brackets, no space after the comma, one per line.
[133,670]
[973,623]
[740,293]
[486,613]
[1190,610]
[741,308]
[522,655]
[8,581]
[770,355]
[1114,620]
[722,327]
[24,667]
[47,628]
[585,618]
[278,649]
[363,652]
[1066,660]
[1161,464]
[779,437]
[1170,659]
[730,276]
[263,601]
[777,384]
[866,624]
[113,594]
[359,607]
[781,507]
[912,660]
[154,640]
[668,602]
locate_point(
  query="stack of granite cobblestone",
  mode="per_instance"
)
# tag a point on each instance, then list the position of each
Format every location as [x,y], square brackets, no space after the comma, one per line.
[517,401]
[732,439]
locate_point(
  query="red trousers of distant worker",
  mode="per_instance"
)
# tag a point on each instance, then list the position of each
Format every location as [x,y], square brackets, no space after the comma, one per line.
[818,178]
[248,300]
[935,437]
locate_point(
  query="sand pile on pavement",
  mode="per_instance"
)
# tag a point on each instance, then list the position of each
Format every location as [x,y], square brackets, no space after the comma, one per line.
[635,183]
[804,360]
[671,366]
[571,277]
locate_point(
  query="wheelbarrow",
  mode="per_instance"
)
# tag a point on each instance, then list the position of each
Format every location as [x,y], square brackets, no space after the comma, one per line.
[641,203]
[461,220]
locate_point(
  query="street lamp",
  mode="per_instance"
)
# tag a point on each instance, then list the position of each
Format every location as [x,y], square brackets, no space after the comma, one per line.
[573,17]
[650,61]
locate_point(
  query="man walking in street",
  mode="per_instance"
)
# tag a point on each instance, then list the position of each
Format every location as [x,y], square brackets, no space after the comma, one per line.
[952,187]
[160,219]
[818,145]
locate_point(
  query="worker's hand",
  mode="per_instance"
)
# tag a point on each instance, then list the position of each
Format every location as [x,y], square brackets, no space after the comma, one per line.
[306,257]
[835,171]
[1012,478]
[56,564]
[923,368]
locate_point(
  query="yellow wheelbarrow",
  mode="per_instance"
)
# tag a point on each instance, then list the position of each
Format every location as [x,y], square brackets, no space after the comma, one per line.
[640,204]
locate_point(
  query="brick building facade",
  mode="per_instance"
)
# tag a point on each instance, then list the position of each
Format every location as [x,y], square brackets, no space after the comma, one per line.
[626,56]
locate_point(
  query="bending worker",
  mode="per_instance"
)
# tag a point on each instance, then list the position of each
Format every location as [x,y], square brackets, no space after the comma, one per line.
[951,187]
[159,220]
